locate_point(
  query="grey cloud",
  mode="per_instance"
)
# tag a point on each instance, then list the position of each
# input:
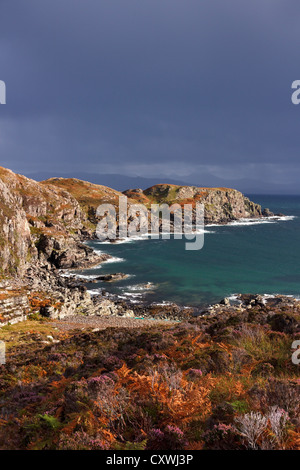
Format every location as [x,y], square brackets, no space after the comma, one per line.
[185,90]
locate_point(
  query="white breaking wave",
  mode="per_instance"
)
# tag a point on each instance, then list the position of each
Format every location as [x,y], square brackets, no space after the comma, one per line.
[135,293]
[164,303]
[69,274]
[132,298]
[66,274]
[265,297]
[94,291]
[262,220]
[255,221]
[86,276]
[273,296]
[140,287]
[286,217]
[124,240]
[130,294]
[99,252]
[147,237]
[114,259]
[233,297]
[133,301]
[240,223]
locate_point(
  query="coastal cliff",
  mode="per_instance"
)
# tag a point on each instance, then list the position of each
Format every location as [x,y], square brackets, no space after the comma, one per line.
[45,223]
[221,205]
[43,226]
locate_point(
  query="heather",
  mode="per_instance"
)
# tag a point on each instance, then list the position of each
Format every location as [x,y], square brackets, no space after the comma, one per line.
[222,381]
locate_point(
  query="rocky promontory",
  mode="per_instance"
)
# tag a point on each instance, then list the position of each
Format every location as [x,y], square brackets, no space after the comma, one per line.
[43,227]
[221,205]
[45,223]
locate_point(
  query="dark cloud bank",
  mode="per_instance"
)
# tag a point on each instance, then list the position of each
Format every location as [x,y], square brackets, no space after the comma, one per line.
[170,91]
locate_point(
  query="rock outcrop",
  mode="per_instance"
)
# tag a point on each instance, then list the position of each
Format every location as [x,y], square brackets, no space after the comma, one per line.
[42,223]
[14,306]
[221,205]
[112,277]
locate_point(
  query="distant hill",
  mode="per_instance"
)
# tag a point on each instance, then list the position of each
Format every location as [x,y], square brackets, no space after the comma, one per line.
[259,185]
[118,182]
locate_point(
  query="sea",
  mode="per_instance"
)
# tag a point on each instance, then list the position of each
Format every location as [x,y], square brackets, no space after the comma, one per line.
[247,256]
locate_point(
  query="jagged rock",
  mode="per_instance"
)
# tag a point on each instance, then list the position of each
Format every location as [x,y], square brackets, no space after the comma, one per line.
[111,277]
[48,312]
[106,307]
[252,299]
[267,213]
[127,314]
[225,301]
[221,205]
[14,307]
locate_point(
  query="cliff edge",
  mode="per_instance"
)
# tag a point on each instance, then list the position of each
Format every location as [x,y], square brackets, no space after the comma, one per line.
[44,223]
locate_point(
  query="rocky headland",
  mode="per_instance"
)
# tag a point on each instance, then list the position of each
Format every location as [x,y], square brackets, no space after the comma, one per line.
[221,205]
[43,227]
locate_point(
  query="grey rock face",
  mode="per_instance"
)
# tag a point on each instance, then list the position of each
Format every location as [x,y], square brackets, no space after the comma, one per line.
[13,307]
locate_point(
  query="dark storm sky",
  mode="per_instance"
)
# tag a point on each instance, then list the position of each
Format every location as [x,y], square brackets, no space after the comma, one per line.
[195,90]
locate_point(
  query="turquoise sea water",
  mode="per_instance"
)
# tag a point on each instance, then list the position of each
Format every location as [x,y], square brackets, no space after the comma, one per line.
[247,257]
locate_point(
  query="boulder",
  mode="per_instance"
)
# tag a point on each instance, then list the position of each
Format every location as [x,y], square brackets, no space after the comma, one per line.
[111,277]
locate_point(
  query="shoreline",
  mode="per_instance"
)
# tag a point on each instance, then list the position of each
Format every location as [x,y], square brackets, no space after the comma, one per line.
[138,304]
[59,293]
